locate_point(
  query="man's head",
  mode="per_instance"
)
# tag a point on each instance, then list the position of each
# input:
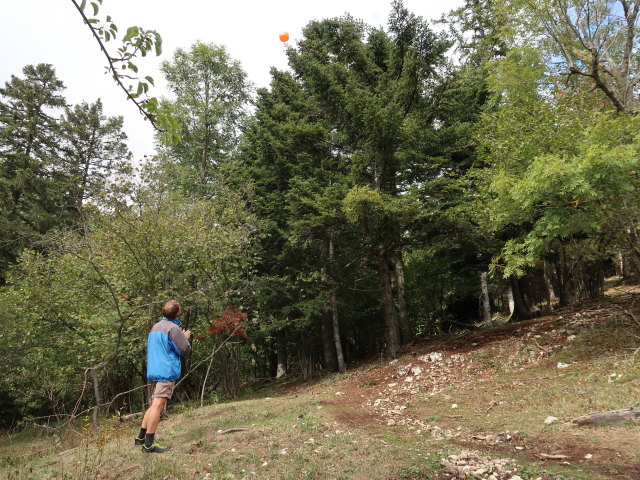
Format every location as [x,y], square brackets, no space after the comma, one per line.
[171,310]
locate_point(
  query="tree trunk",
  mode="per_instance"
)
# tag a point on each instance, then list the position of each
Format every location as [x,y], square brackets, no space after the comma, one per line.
[563,281]
[551,293]
[342,367]
[305,356]
[334,315]
[328,345]
[614,417]
[282,354]
[206,376]
[486,307]
[96,393]
[392,334]
[521,311]
[406,332]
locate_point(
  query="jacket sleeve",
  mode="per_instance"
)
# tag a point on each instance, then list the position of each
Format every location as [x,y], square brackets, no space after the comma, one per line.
[180,341]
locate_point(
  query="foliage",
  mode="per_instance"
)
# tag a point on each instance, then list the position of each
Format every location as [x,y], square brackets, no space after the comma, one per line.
[137,41]
[211,97]
[575,196]
[97,291]
[48,165]
[228,323]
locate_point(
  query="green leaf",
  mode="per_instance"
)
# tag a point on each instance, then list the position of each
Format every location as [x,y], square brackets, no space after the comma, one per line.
[96,9]
[158,44]
[131,32]
[150,80]
[133,66]
[83,5]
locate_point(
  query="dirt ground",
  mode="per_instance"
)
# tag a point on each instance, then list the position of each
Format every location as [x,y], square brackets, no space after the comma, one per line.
[378,397]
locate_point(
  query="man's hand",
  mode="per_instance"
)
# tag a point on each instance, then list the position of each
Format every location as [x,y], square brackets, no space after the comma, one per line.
[187,333]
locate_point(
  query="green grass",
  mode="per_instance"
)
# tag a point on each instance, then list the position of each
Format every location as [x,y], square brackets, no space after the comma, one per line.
[303,436]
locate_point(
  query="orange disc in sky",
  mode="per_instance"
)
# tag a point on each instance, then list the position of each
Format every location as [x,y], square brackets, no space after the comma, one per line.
[284,37]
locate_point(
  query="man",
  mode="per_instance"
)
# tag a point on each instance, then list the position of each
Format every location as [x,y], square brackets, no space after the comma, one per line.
[166,343]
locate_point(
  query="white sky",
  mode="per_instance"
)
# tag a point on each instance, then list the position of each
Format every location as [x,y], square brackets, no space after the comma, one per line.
[51,31]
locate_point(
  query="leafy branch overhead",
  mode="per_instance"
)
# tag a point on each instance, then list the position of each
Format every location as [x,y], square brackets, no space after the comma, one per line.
[137,42]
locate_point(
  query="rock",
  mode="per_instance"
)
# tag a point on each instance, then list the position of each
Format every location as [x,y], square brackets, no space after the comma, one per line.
[403,370]
[588,456]
[562,365]
[550,420]
[416,371]
[431,357]
[454,406]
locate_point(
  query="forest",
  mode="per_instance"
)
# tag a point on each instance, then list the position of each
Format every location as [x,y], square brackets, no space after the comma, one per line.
[392,184]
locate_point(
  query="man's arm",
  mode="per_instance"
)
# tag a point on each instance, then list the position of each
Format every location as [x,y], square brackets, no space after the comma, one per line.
[181,340]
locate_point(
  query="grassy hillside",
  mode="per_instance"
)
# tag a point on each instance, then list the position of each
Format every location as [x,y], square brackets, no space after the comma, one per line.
[471,405]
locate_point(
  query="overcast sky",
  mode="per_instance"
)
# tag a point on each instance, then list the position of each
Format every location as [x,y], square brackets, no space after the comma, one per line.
[51,31]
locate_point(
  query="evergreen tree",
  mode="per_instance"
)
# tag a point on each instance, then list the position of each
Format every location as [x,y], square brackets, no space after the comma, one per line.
[33,187]
[376,88]
[93,145]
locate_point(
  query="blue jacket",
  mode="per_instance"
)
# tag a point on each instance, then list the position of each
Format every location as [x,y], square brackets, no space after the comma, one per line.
[165,345]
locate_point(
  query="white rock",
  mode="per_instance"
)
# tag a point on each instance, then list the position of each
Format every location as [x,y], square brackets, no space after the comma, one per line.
[516,477]
[409,379]
[416,371]
[571,338]
[393,362]
[588,456]
[550,420]
[265,464]
[339,393]
[454,406]
[562,365]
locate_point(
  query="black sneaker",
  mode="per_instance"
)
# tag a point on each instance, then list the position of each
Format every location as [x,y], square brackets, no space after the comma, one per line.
[138,442]
[155,448]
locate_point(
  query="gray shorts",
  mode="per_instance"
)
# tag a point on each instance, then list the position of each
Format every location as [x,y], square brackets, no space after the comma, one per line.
[162,389]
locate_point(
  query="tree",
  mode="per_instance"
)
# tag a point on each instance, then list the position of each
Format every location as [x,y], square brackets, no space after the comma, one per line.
[34,197]
[375,87]
[211,98]
[298,181]
[93,146]
[597,39]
